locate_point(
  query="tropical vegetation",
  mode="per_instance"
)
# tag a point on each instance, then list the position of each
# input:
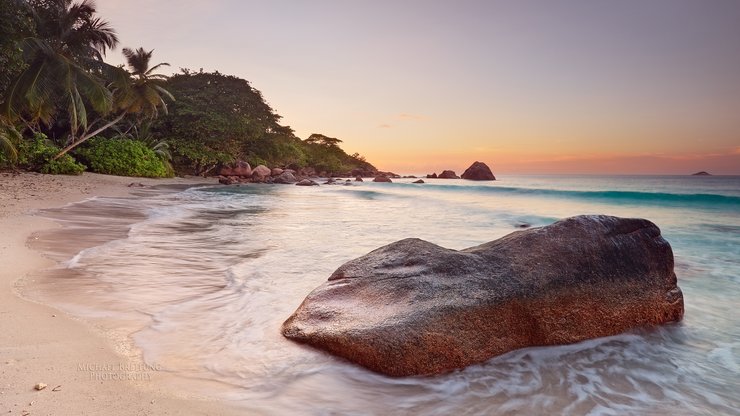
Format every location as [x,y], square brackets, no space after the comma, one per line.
[65,109]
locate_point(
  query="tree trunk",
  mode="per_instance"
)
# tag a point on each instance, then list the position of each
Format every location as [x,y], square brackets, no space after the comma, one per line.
[87,136]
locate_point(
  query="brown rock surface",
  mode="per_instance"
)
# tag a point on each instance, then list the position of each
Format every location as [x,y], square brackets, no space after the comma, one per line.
[478,171]
[307,182]
[413,307]
[238,168]
[448,174]
[285,178]
[260,173]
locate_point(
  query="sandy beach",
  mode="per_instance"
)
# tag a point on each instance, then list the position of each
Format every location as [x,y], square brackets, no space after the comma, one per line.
[40,344]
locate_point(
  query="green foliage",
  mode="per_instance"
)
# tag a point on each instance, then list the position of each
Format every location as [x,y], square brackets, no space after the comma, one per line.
[37,154]
[123,157]
[63,60]
[323,140]
[53,80]
[141,132]
[65,165]
[10,138]
[324,154]
[140,91]
[16,25]
[216,119]
[219,118]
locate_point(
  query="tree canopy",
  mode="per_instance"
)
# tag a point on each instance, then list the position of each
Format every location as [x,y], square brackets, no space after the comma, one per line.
[57,91]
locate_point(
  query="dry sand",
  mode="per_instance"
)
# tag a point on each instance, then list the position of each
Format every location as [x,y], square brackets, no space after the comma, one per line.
[40,344]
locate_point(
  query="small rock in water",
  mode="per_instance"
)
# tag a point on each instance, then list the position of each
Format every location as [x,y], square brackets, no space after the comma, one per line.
[136,185]
[448,174]
[307,182]
[419,181]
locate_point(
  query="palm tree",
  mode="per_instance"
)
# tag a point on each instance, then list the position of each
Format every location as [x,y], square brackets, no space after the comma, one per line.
[64,65]
[139,92]
[145,94]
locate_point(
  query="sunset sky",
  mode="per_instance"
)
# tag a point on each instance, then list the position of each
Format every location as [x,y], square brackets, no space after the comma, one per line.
[526,86]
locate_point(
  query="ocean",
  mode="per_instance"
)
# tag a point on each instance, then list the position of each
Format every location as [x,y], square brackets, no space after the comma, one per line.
[198,282]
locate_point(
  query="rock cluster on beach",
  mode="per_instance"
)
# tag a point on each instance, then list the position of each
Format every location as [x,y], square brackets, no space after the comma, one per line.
[241,172]
[478,171]
[415,308]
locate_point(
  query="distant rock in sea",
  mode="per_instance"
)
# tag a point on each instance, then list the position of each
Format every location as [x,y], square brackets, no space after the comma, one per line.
[431,176]
[382,179]
[702,173]
[448,174]
[418,181]
[478,171]
[415,308]
[307,182]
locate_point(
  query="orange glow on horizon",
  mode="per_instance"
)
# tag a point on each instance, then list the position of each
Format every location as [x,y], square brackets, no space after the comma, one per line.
[509,163]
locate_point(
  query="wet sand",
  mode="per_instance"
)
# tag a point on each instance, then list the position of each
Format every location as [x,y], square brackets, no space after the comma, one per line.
[85,372]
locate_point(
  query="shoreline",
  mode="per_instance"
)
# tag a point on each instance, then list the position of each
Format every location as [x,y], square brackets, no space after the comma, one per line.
[83,371]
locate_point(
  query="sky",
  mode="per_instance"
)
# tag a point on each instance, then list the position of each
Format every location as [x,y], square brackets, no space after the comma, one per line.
[583,87]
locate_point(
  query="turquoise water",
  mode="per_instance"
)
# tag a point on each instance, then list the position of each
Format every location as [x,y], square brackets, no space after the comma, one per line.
[204,278]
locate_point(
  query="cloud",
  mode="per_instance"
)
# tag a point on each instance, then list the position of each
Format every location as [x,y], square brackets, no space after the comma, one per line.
[384,126]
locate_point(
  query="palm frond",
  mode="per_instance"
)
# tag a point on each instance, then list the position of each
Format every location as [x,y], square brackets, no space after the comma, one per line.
[149,73]
[9,136]
[165,92]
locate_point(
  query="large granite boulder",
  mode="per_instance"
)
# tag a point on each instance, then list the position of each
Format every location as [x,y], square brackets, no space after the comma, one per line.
[448,174]
[238,168]
[261,173]
[478,171]
[415,308]
[285,178]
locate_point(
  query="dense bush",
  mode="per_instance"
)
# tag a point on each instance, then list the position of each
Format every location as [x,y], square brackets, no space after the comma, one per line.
[123,157]
[37,154]
[65,165]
